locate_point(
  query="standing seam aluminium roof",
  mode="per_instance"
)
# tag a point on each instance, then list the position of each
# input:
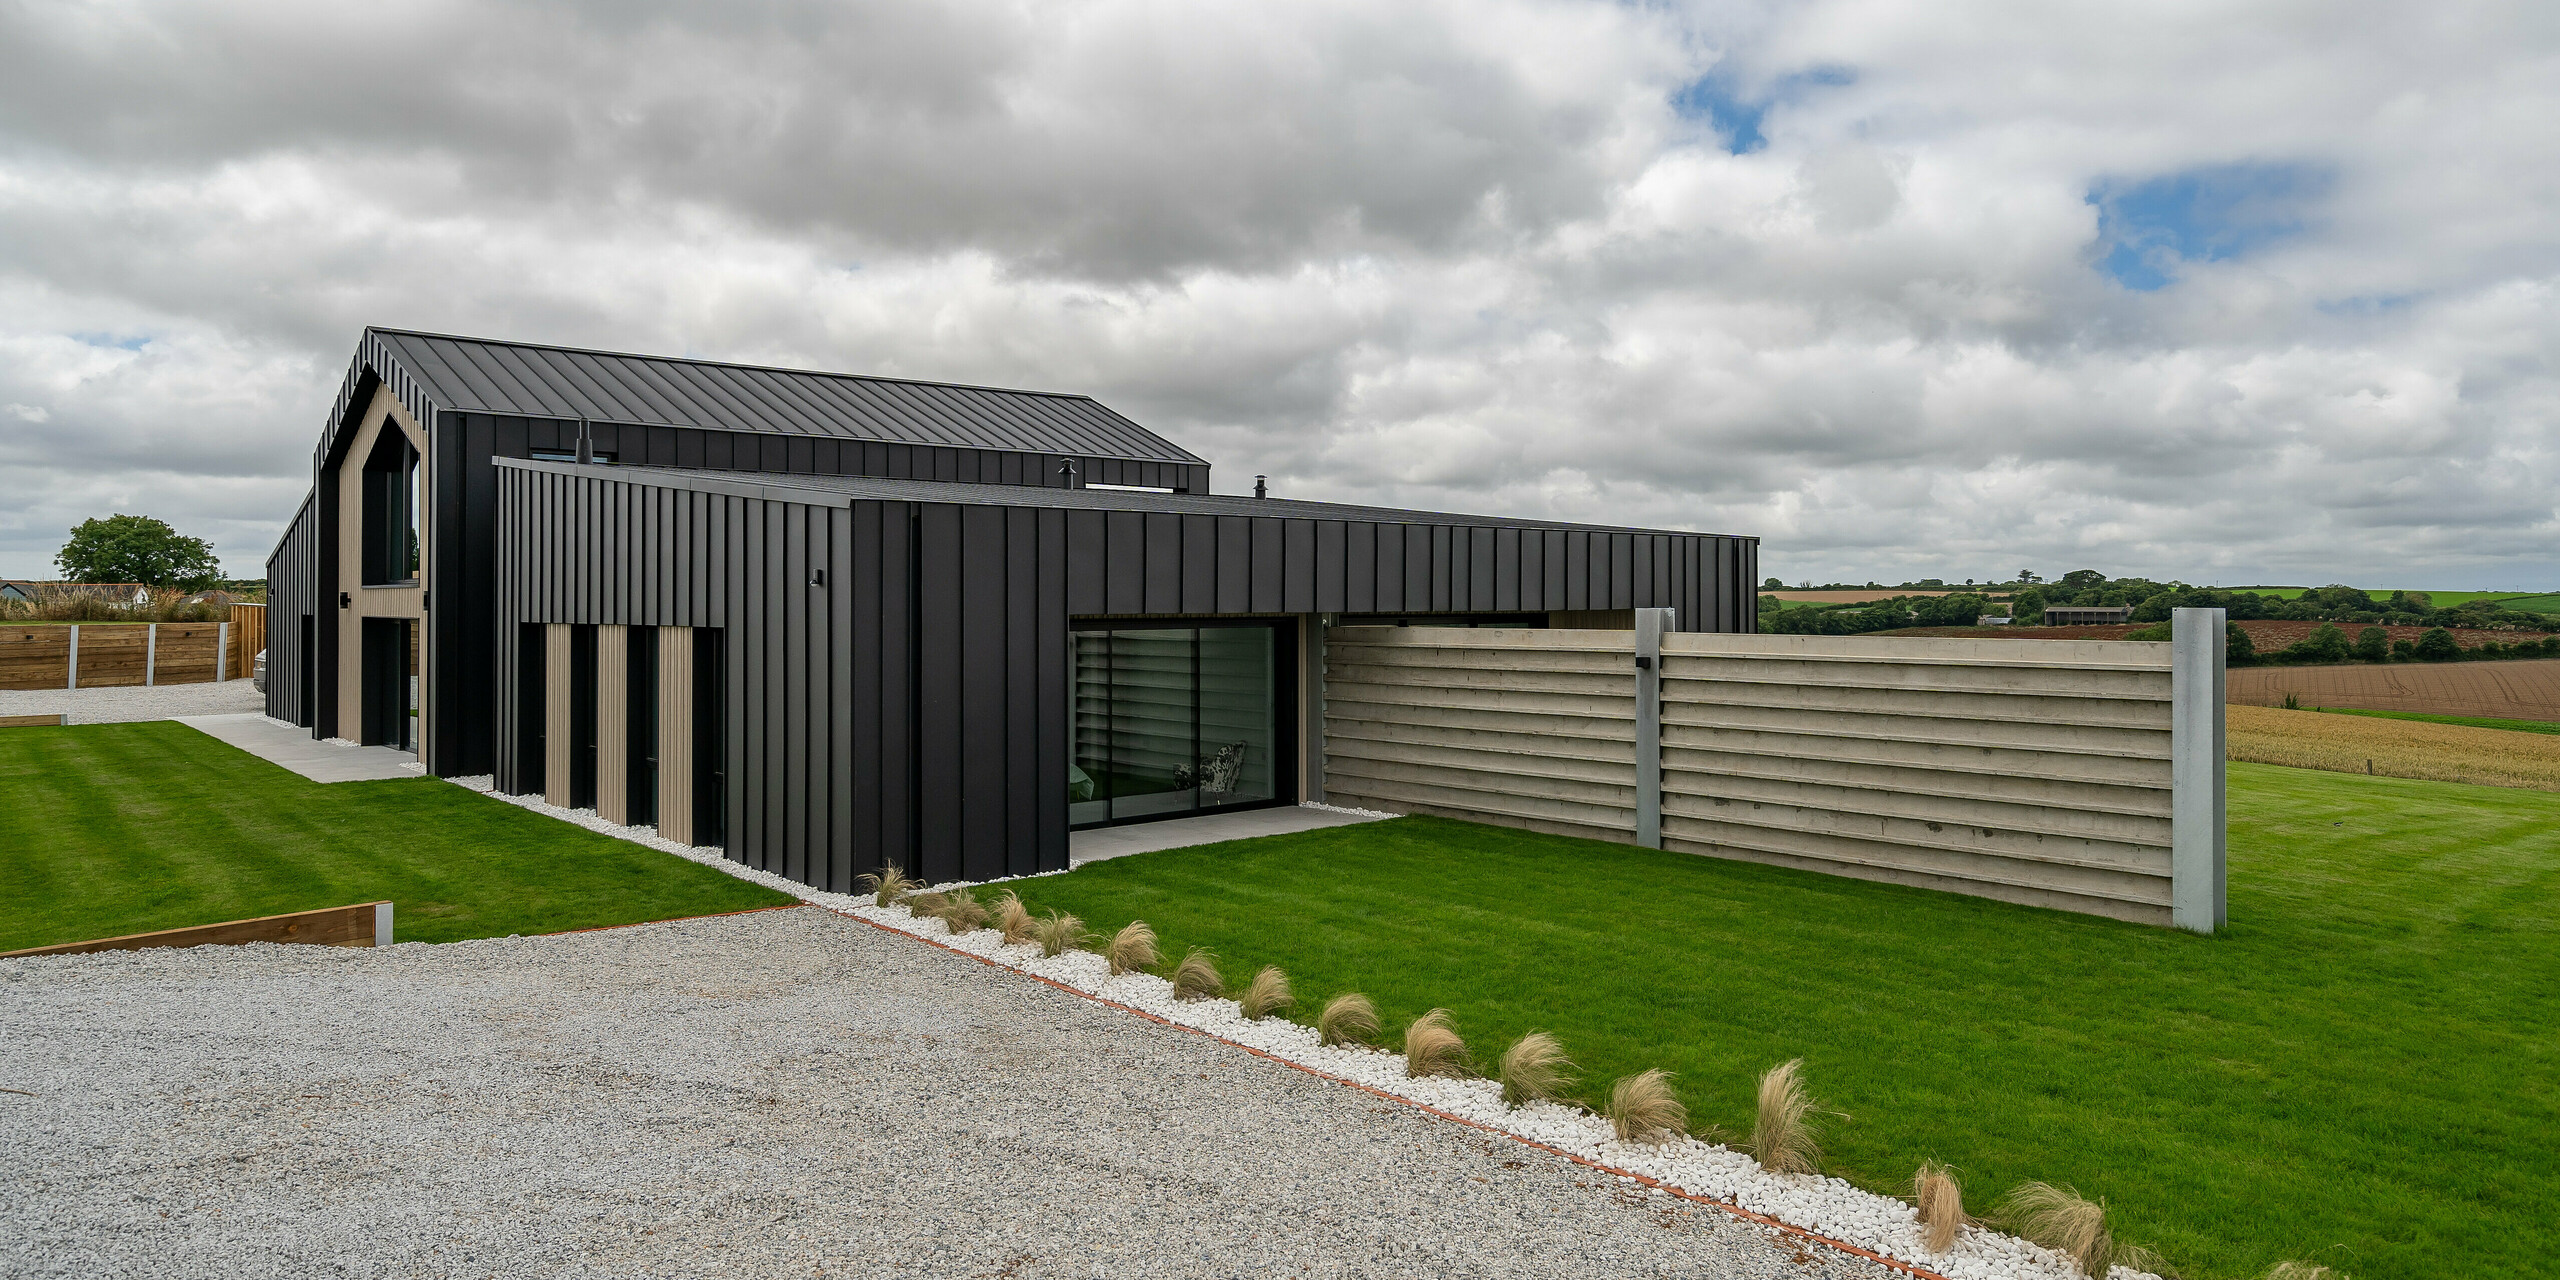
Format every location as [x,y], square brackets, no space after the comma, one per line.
[431,372]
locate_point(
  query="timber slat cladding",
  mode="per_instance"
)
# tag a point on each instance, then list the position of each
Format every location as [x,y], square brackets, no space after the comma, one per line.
[34,657]
[348,926]
[2034,775]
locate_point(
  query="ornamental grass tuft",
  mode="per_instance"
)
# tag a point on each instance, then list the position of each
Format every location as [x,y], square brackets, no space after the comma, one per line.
[1196,978]
[1432,1047]
[1267,994]
[1940,1199]
[1642,1108]
[1783,1139]
[1013,918]
[1058,933]
[961,910]
[1348,1018]
[1535,1069]
[889,886]
[2061,1219]
[1133,949]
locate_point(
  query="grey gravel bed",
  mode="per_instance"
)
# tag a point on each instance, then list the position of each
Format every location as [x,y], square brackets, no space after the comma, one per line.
[784,1093]
[123,703]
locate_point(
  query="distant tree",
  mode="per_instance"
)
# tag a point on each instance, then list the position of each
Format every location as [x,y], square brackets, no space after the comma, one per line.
[2373,644]
[2026,609]
[124,548]
[1773,585]
[2238,650]
[2340,596]
[2437,645]
[2326,643]
[2082,580]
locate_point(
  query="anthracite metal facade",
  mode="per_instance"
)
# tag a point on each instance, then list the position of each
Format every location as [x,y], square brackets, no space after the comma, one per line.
[896,681]
[884,578]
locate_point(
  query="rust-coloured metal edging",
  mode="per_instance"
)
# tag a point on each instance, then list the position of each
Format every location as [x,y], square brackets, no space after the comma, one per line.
[1736,1210]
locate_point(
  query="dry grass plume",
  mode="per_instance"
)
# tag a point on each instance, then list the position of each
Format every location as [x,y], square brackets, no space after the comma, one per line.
[961,910]
[1133,949]
[1196,978]
[2297,1269]
[1941,1202]
[1432,1047]
[1348,1018]
[1642,1108]
[1014,918]
[1267,994]
[1057,933]
[1535,1069]
[2062,1220]
[889,886]
[1782,1133]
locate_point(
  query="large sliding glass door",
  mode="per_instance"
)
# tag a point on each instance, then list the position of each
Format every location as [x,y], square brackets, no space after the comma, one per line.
[1176,720]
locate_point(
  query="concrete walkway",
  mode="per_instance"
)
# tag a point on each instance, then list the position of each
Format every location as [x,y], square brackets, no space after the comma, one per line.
[297,750]
[1209,828]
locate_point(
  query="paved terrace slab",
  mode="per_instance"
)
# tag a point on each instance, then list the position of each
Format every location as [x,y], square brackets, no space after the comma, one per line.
[784,1093]
[1099,843]
[297,750]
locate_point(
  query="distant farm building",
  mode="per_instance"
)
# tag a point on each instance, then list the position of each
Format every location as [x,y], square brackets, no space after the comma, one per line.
[2074,616]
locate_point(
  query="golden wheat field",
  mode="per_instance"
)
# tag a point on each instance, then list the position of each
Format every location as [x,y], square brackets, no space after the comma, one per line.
[2528,689]
[2393,748]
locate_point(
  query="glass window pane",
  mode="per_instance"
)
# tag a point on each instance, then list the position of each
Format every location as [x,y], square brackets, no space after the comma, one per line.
[1237,735]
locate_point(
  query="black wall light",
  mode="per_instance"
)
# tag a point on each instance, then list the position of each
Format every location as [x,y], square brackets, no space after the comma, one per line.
[817,577]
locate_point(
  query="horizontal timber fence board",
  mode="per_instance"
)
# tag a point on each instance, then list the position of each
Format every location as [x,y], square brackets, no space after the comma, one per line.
[104,655]
[2033,774]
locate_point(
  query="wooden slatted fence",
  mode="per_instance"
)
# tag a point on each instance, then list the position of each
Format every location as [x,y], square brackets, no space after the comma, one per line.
[96,655]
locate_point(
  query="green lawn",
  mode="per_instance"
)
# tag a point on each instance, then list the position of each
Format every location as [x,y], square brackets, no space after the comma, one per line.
[2365,1069]
[127,828]
[2476,722]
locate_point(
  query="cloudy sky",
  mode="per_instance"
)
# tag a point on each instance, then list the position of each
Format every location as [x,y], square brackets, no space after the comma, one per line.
[2263,292]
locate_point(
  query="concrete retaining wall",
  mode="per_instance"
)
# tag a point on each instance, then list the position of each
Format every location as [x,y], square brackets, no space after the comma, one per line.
[2038,773]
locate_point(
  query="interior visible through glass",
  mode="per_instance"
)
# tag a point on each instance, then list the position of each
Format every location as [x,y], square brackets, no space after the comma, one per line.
[1171,720]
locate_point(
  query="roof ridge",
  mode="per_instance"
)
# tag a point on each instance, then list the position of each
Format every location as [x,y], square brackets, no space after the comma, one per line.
[735,364]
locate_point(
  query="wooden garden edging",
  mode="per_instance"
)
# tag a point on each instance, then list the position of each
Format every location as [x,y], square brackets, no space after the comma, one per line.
[54,720]
[364,924]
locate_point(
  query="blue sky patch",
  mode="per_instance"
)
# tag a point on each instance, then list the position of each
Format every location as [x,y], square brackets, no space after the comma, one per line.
[117,341]
[1737,118]
[2148,228]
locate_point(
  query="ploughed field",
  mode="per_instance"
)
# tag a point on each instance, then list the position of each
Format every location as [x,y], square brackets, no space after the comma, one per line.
[2528,689]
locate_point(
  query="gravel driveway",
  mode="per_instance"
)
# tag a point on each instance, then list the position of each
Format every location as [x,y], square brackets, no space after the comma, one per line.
[783,1093]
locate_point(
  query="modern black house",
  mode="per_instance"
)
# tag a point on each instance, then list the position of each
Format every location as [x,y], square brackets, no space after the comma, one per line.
[825,621]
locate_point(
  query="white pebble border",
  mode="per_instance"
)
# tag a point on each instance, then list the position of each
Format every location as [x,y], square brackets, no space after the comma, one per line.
[1828,1208]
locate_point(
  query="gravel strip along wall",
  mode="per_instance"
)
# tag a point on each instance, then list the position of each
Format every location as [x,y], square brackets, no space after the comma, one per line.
[116,705]
[781,1093]
[1826,1207]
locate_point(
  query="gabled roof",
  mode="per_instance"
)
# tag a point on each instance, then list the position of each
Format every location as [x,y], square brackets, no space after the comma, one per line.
[431,372]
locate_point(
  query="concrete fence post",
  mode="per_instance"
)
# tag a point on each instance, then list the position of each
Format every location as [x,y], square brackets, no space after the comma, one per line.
[71,665]
[221,652]
[151,655]
[2196,823]
[1650,624]
[382,924]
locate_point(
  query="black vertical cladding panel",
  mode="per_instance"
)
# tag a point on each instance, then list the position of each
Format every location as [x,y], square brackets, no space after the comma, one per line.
[1088,563]
[1482,562]
[1235,565]
[981,681]
[1640,591]
[324,607]
[1332,569]
[1199,564]
[900,556]
[842,866]
[775,689]
[740,663]
[1506,569]
[863,761]
[938,678]
[1298,566]
[1622,571]
[1266,594]
[1050,618]
[1390,581]
[1017,848]
[795,685]
[1163,571]
[1444,569]
[1124,582]
[1360,567]
[1577,569]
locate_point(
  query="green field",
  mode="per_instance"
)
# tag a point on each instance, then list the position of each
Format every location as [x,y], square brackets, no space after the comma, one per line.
[2365,1069]
[2476,722]
[128,828]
